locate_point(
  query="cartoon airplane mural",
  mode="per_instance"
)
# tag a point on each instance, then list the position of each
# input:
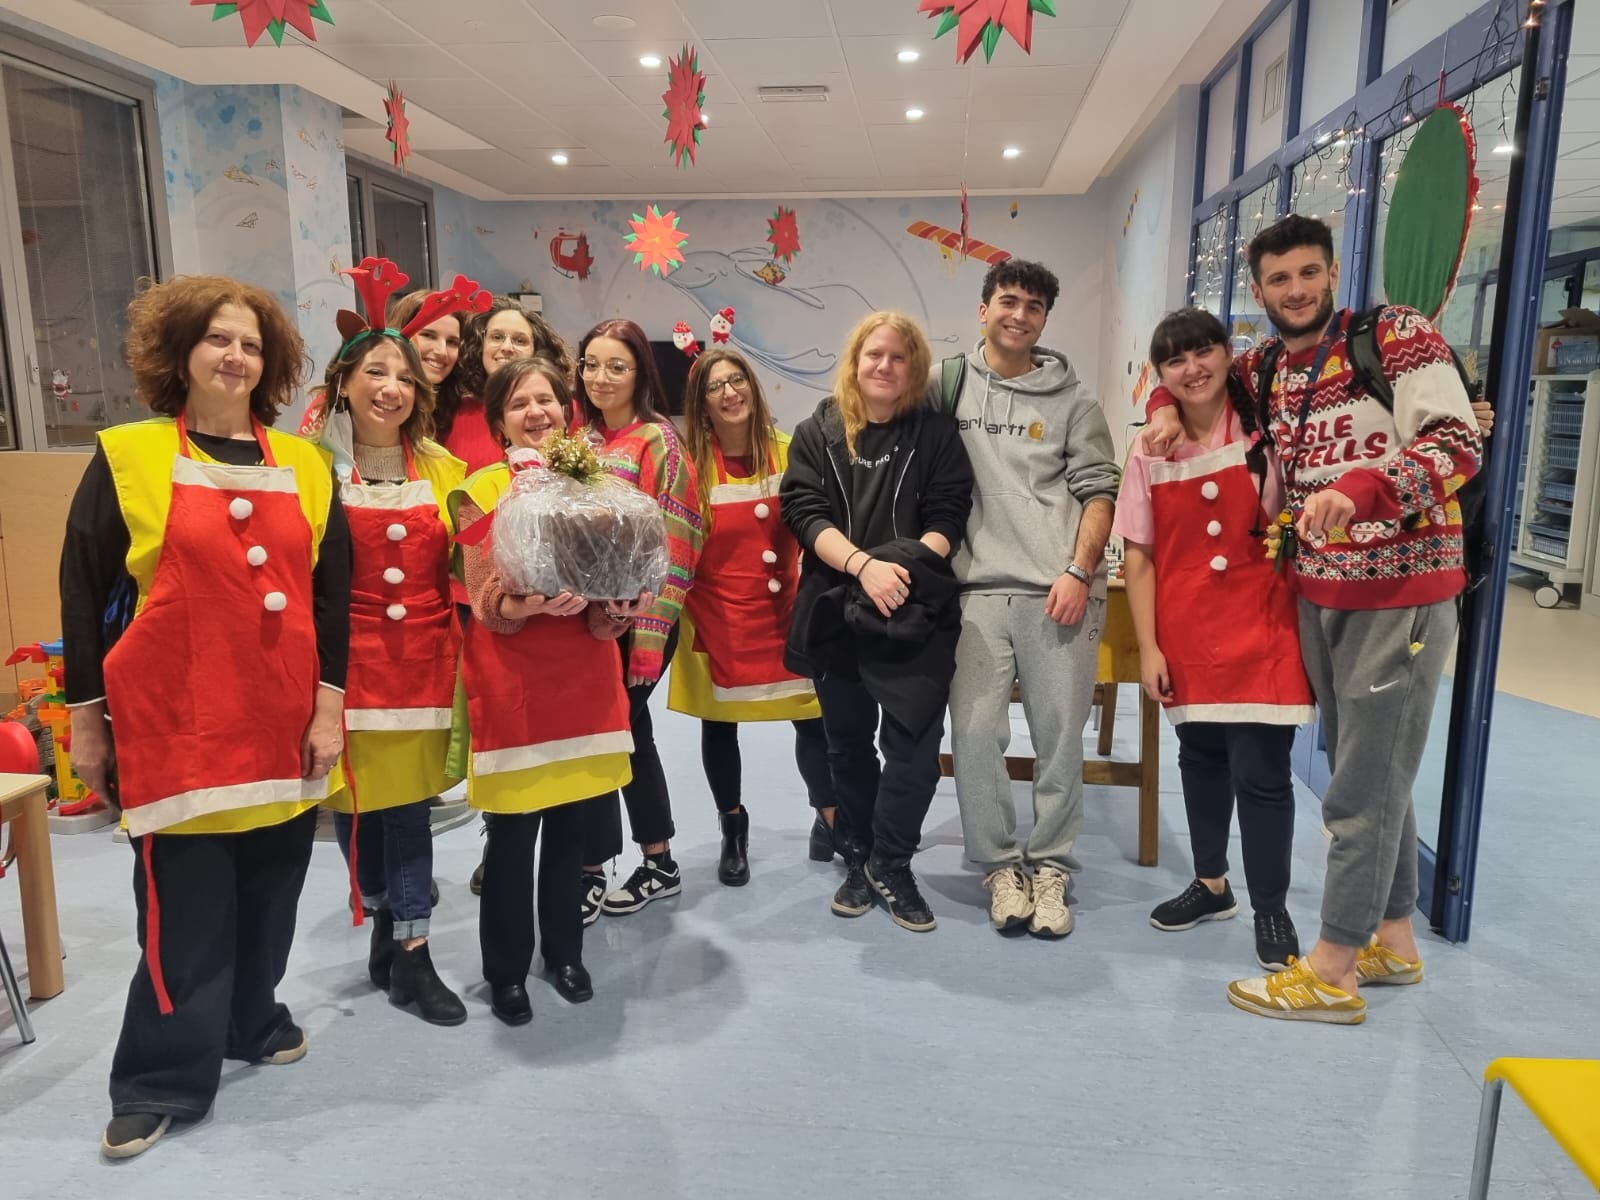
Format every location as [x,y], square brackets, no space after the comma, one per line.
[569,252]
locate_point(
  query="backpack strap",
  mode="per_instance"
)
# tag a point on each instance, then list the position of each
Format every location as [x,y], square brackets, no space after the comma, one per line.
[1266,370]
[1366,356]
[952,378]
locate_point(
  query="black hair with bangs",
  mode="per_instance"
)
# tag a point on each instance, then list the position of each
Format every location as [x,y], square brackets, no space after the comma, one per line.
[1185,330]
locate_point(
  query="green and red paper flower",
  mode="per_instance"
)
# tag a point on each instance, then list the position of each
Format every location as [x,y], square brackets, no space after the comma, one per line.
[783,234]
[271,17]
[686,92]
[656,241]
[979,22]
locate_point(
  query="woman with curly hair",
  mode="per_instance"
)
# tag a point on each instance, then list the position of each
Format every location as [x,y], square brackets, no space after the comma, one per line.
[224,687]
[505,333]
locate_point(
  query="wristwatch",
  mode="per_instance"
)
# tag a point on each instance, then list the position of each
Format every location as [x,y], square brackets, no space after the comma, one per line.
[1079,574]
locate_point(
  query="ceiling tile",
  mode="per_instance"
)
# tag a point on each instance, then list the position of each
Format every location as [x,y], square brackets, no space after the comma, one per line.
[399,62]
[443,95]
[900,20]
[879,84]
[893,112]
[515,63]
[647,90]
[479,22]
[714,19]
[1033,81]
[1052,47]
[655,23]
[181,26]
[757,60]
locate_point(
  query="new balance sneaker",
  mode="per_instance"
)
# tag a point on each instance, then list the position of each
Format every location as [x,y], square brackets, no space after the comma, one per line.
[1277,943]
[594,894]
[1297,995]
[897,888]
[1194,904]
[854,896]
[1051,916]
[1010,897]
[1381,965]
[133,1133]
[653,879]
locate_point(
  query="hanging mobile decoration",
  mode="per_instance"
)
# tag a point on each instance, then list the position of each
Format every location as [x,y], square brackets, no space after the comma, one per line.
[964,217]
[399,133]
[686,92]
[656,241]
[271,17]
[979,22]
[783,234]
[1430,213]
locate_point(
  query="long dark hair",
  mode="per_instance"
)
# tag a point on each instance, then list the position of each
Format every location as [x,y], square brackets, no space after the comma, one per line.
[649,397]
[698,434]
[469,367]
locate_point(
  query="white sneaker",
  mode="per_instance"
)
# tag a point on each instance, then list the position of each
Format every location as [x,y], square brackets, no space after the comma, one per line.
[1010,897]
[1051,916]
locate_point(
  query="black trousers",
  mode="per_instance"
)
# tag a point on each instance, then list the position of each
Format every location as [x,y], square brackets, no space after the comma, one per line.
[649,805]
[227,913]
[505,909]
[1219,762]
[719,753]
[881,809]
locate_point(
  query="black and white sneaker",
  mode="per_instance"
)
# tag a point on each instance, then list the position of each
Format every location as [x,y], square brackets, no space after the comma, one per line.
[1194,904]
[897,888]
[594,894]
[1277,943]
[652,879]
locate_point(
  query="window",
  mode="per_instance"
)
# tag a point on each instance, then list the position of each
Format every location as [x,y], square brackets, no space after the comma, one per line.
[1273,86]
[1412,24]
[77,192]
[1320,183]
[1248,321]
[1269,53]
[391,217]
[1210,263]
[1333,47]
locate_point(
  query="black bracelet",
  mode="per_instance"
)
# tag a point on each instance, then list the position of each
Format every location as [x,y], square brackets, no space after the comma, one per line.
[851,559]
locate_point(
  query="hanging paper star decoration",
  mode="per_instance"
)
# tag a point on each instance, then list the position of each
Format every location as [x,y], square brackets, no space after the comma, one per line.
[271,17]
[783,234]
[686,92]
[399,133]
[656,241]
[980,22]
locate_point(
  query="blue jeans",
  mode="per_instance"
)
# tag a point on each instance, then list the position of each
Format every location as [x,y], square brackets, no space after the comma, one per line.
[394,863]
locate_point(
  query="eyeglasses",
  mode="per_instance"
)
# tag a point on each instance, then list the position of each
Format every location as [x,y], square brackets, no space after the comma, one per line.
[499,338]
[716,386]
[615,369]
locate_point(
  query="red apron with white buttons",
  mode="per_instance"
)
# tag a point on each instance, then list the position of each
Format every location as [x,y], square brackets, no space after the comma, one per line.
[744,590]
[403,638]
[1225,620]
[211,687]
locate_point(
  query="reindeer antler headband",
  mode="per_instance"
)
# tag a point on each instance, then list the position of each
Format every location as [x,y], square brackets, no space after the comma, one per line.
[377,279]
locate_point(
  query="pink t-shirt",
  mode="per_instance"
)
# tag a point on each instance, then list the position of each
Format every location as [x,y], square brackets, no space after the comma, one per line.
[1135,520]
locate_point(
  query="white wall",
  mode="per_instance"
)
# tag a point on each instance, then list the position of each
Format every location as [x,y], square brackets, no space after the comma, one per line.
[1263,135]
[1413,24]
[1333,52]
[1219,130]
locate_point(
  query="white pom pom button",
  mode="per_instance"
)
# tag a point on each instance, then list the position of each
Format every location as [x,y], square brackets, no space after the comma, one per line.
[396,612]
[256,555]
[394,575]
[763,512]
[774,586]
[274,602]
[1214,529]
[240,509]
[1219,563]
[1208,489]
[397,531]
[769,557]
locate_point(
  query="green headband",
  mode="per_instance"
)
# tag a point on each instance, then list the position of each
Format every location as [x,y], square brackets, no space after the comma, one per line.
[366,333]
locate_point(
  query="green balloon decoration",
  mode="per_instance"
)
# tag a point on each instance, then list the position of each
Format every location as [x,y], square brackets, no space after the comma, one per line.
[1430,212]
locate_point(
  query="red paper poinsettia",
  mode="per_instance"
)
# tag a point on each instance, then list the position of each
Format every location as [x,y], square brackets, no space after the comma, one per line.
[686,92]
[980,22]
[656,241]
[271,17]
[399,133]
[783,234]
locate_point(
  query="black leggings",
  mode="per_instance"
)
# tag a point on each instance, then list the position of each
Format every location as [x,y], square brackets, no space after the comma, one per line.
[649,805]
[719,752]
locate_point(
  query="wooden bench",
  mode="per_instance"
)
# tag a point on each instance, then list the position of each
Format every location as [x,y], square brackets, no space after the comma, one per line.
[23,805]
[1119,664]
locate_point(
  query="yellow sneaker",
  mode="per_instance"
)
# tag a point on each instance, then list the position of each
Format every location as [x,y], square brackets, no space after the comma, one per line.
[1380,965]
[1297,994]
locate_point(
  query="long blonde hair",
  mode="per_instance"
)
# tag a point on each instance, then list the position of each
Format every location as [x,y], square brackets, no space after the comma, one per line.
[846,392]
[698,434]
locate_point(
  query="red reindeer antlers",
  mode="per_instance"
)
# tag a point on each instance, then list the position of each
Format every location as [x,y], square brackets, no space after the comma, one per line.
[375,279]
[464,295]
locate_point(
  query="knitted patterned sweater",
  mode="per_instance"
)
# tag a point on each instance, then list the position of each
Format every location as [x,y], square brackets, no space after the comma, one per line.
[650,456]
[1402,469]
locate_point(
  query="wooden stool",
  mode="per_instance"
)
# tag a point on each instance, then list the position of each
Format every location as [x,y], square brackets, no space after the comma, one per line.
[23,804]
[1564,1093]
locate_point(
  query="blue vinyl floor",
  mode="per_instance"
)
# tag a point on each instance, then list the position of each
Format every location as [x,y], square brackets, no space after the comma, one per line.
[745,1042]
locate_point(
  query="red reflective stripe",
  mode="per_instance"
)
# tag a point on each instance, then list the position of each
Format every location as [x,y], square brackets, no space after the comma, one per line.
[152,927]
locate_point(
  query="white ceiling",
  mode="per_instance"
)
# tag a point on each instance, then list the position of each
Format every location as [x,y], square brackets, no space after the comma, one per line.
[496,86]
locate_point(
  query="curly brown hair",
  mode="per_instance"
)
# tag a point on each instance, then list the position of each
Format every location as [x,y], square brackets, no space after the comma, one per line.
[546,341]
[167,320]
[419,425]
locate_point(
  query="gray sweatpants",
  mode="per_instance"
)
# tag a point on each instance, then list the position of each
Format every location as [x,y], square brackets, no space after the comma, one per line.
[1375,673]
[1004,638]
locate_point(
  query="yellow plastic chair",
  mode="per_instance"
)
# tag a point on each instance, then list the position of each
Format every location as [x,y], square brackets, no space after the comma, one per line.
[1564,1093]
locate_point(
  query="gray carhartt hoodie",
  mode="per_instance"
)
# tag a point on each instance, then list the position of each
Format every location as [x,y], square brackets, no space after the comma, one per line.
[1040,449]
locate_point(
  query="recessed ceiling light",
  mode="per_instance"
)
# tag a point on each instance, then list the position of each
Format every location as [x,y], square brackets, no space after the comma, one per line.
[560,160]
[649,60]
[1011,151]
[613,23]
[913,114]
[909,56]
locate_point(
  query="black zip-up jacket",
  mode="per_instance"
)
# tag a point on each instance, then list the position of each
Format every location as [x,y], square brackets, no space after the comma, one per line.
[931,493]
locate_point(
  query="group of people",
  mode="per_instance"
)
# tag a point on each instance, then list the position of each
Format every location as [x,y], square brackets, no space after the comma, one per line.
[329,626]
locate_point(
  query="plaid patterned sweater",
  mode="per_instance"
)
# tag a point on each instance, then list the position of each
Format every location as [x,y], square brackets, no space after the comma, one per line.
[1402,469]
[650,456]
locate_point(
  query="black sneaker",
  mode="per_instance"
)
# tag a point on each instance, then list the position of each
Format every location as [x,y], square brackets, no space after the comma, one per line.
[132,1134]
[653,879]
[897,887]
[594,893]
[288,1046]
[1277,943]
[854,896]
[1193,905]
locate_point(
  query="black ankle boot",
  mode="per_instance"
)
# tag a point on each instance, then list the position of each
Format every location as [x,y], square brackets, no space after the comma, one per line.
[822,846]
[416,982]
[380,959]
[733,868]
